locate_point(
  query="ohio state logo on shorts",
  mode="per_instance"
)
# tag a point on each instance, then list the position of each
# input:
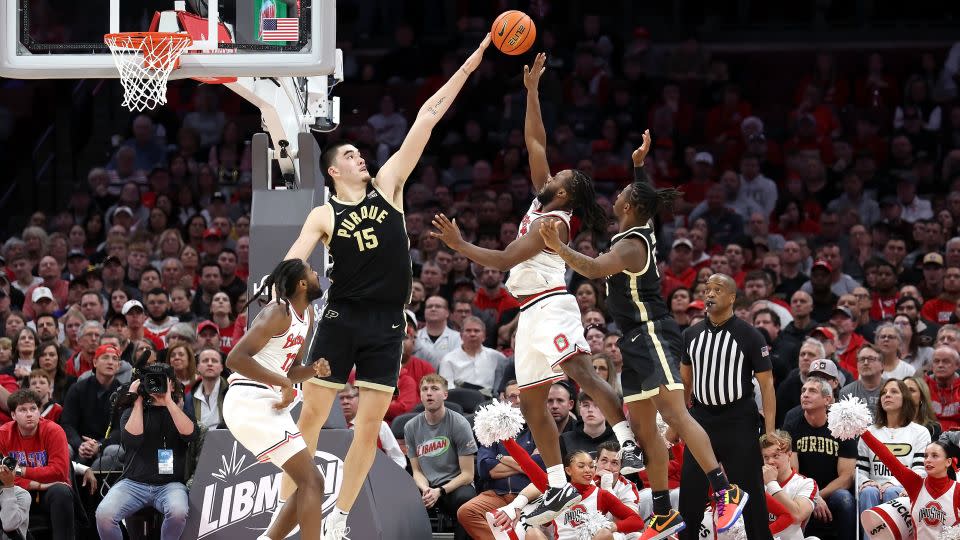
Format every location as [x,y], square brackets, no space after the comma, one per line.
[561,342]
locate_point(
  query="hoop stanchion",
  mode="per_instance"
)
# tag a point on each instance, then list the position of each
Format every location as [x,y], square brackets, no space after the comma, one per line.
[145,60]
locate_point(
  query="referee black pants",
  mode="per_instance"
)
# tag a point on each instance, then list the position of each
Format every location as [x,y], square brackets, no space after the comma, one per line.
[734,431]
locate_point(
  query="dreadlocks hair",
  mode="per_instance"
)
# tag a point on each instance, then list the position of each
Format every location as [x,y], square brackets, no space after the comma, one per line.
[649,201]
[284,278]
[583,198]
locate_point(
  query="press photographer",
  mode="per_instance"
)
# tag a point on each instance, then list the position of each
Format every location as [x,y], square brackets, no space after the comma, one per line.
[155,436]
[37,448]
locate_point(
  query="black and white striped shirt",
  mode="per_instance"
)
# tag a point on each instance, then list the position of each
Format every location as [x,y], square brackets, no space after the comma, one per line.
[724,359]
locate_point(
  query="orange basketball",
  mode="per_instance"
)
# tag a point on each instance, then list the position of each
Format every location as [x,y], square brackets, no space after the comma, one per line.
[513,32]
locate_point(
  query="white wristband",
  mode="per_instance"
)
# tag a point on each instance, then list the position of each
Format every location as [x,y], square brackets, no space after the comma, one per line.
[520,501]
[773,487]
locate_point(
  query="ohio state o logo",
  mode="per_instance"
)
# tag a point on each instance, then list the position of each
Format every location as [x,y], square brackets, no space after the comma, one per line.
[561,343]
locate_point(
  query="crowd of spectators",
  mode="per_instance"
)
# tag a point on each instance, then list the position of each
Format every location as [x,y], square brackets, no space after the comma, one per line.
[842,230]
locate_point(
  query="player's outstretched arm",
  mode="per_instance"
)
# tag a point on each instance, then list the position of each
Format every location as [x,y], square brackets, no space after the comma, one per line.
[616,260]
[272,321]
[639,156]
[518,251]
[534,135]
[317,227]
[395,171]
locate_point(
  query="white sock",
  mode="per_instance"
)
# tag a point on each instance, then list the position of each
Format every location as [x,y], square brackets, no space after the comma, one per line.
[623,432]
[556,477]
[338,513]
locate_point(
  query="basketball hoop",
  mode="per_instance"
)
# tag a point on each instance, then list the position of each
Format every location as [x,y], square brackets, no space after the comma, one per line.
[145,60]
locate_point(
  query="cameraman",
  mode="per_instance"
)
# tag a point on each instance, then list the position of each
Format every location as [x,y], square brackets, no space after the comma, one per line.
[155,437]
[40,447]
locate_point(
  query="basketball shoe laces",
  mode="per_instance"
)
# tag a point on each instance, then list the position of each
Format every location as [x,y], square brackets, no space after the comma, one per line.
[340,531]
[721,498]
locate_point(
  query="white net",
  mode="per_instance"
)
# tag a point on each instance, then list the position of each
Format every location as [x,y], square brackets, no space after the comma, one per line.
[145,60]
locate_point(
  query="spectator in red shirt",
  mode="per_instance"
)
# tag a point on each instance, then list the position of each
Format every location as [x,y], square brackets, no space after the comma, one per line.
[679,271]
[135,315]
[885,292]
[40,447]
[41,384]
[49,271]
[695,190]
[848,341]
[939,310]
[944,384]
[723,121]
[82,361]
[411,365]
[221,312]
[406,396]
[492,295]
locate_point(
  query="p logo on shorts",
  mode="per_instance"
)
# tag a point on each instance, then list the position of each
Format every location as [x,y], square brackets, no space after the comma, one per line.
[561,343]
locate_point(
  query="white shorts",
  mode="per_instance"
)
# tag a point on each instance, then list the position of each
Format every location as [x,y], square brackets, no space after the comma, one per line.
[269,434]
[549,331]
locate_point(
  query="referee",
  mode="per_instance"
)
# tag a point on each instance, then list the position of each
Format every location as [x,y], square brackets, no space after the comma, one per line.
[720,357]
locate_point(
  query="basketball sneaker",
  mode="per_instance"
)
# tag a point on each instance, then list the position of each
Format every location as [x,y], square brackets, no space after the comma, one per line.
[730,503]
[663,525]
[555,500]
[631,458]
[335,527]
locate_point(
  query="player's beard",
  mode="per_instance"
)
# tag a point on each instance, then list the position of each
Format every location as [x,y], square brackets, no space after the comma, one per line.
[546,196]
[313,292]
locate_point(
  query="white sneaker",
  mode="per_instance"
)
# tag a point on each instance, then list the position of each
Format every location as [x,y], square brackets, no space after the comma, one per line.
[335,528]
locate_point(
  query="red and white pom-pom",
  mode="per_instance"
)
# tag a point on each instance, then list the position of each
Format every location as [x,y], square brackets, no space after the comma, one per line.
[950,533]
[593,522]
[849,418]
[661,425]
[497,422]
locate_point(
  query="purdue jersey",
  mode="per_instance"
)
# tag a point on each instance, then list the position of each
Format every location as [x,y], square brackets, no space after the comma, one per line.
[635,298]
[370,251]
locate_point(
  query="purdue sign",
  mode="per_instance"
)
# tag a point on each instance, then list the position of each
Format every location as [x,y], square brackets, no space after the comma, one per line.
[233,497]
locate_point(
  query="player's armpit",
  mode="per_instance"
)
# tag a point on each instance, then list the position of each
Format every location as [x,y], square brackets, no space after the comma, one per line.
[315,228]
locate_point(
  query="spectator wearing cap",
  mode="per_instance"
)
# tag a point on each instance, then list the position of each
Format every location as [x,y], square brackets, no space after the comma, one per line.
[210,281]
[853,198]
[840,283]
[821,283]
[42,302]
[679,270]
[883,303]
[77,263]
[136,316]
[869,376]
[112,273]
[57,288]
[492,297]
[87,413]
[212,244]
[208,335]
[755,186]
[122,216]
[848,340]
[931,286]
[889,340]
[436,338]
[824,369]
[701,180]
[944,385]
[940,310]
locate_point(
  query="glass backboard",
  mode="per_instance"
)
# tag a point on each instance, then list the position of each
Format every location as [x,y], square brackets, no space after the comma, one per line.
[63,39]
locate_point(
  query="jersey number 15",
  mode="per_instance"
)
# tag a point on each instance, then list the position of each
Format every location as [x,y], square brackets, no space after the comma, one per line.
[366,239]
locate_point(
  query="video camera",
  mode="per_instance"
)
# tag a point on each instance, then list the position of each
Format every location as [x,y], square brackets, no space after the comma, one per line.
[9,462]
[153,378]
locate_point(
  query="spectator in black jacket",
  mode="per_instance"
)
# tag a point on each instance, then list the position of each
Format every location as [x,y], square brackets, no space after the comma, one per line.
[156,437]
[88,416]
[590,431]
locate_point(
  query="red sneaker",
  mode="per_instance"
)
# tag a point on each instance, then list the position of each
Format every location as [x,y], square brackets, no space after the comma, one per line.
[730,503]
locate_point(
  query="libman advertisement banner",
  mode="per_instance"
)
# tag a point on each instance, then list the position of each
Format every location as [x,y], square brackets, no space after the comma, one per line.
[234,497]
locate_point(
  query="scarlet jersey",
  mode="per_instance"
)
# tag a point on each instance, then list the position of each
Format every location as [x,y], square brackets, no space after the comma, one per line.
[545,270]
[282,349]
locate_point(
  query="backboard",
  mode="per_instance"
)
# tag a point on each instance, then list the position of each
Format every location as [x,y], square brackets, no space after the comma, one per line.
[63,39]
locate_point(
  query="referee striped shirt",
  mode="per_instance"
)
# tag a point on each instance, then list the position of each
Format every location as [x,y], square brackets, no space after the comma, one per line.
[724,359]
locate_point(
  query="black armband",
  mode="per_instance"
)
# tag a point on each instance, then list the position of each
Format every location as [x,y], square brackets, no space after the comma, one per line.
[640,175]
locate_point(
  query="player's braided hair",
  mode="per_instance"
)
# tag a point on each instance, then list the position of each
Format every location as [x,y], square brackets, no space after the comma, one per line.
[584,199]
[649,201]
[284,279]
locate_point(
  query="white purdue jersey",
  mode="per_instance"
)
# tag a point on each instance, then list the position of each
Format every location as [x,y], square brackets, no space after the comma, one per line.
[545,270]
[906,443]
[797,486]
[932,515]
[281,350]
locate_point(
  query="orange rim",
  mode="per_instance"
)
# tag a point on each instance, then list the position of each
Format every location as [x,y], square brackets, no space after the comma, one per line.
[153,45]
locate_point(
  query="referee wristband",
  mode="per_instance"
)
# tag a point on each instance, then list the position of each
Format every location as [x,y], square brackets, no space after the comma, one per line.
[773,487]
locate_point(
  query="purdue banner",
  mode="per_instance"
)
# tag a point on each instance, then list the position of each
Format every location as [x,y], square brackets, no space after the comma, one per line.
[233,497]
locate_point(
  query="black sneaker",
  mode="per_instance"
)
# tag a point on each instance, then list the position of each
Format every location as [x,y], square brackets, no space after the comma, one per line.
[631,458]
[555,501]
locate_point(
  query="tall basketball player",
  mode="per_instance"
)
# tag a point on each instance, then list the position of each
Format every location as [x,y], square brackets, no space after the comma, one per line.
[266,363]
[550,331]
[650,345]
[363,324]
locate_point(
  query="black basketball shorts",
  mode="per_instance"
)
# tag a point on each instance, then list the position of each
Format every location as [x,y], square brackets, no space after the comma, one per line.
[651,359]
[368,337]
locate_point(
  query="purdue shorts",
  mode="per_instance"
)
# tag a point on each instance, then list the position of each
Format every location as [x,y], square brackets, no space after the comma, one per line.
[651,359]
[549,332]
[369,338]
[269,434]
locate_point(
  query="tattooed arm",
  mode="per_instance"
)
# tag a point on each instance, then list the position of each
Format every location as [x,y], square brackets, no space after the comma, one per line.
[628,254]
[394,172]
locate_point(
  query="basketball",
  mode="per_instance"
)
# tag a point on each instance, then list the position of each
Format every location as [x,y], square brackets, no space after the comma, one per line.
[513,32]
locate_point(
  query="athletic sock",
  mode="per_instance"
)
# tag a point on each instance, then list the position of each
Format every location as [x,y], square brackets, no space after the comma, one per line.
[556,477]
[718,480]
[338,514]
[623,432]
[661,502]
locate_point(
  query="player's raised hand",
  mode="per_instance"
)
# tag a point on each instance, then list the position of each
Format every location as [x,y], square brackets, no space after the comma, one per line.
[474,59]
[550,232]
[640,154]
[447,231]
[531,77]
[322,368]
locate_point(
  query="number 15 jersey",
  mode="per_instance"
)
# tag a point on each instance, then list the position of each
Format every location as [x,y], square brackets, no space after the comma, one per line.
[370,251]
